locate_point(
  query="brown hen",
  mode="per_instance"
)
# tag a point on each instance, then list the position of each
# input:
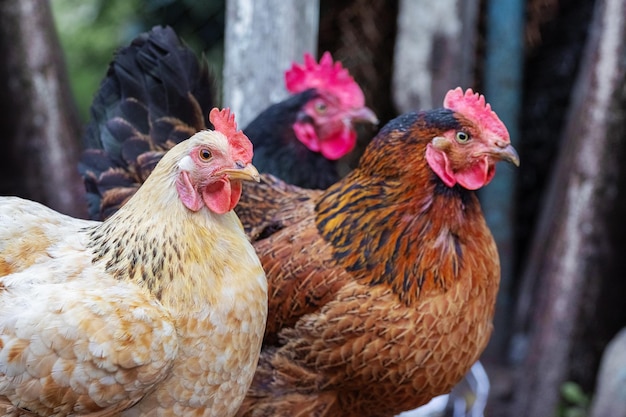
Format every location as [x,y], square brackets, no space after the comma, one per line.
[382,288]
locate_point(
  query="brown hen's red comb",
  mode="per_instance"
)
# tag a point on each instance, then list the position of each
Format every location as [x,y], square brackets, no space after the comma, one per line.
[329,76]
[473,106]
[224,122]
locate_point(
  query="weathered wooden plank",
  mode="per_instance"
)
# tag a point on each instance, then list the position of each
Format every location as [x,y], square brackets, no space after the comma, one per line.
[262,39]
[434,52]
[572,256]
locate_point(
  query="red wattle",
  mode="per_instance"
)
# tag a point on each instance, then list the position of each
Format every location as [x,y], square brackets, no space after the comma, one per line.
[476,176]
[339,145]
[333,147]
[218,196]
[235,193]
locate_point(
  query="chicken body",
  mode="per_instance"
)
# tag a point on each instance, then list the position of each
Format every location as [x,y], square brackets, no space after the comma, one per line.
[158,311]
[382,288]
[157,93]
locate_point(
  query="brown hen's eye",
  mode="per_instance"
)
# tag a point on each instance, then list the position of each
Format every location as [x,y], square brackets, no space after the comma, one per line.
[462,137]
[205,154]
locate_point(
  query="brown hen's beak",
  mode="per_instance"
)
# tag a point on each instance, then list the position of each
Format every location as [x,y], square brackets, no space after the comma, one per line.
[505,152]
[365,115]
[245,173]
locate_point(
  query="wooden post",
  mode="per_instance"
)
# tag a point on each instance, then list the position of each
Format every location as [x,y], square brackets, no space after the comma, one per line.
[574,266]
[40,126]
[434,52]
[262,39]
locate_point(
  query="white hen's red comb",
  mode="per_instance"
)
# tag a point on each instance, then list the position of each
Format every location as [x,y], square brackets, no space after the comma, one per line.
[474,107]
[224,122]
[327,75]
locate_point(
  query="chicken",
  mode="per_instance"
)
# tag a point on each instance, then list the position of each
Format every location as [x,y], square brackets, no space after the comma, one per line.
[300,139]
[159,310]
[156,93]
[382,288]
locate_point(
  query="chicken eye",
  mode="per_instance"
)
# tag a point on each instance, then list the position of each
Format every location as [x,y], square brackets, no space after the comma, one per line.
[320,107]
[205,154]
[462,137]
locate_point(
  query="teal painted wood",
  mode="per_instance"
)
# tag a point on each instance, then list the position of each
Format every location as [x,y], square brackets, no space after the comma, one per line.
[503,89]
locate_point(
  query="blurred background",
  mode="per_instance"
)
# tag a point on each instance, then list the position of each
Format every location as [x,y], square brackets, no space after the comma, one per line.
[554,70]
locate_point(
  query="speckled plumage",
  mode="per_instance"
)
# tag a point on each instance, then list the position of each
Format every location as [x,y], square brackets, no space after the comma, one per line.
[382,288]
[158,311]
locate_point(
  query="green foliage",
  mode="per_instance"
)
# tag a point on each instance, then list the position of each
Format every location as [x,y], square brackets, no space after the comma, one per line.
[90,32]
[574,401]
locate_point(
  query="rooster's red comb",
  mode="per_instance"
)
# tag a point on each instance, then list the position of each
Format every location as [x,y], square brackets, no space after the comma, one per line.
[474,107]
[224,122]
[329,76]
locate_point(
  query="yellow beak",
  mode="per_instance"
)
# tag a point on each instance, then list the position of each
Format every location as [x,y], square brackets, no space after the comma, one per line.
[505,152]
[245,173]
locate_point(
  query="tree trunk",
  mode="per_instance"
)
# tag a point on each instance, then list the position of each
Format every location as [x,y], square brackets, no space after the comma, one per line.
[39,125]
[574,276]
[435,51]
[262,39]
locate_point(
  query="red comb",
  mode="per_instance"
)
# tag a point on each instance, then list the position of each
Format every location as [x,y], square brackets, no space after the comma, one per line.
[473,106]
[327,75]
[224,122]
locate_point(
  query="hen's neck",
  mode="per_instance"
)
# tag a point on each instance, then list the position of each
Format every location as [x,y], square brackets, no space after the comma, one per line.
[410,232]
[180,256]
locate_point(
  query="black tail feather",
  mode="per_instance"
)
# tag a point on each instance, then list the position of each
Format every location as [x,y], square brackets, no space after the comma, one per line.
[156,93]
